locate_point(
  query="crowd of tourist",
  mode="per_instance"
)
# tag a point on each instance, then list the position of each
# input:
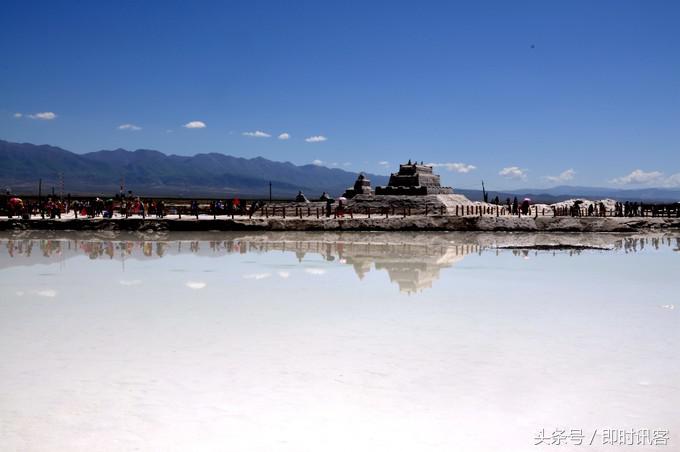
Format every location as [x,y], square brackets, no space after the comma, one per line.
[122,206]
[125,205]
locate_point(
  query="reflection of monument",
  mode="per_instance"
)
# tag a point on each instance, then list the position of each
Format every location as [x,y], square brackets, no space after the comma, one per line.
[412,267]
[414,180]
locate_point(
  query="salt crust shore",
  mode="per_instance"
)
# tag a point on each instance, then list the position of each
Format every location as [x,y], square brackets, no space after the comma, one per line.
[409,223]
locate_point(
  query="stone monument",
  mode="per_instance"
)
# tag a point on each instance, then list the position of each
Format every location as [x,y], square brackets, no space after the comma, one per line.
[362,186]
[414,179]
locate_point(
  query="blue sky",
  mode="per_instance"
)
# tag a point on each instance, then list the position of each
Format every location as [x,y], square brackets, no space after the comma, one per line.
[528,93]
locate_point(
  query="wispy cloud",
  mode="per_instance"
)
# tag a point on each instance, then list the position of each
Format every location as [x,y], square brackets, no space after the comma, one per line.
[195,125]
[284,136]
[44,116]
[384,163]
[513,172]
[317,162]
[18,115]
[129,127]
[316,139]
[640,177]
[564,176]
[673,180]
[256,134]
[347,164]
[455,167]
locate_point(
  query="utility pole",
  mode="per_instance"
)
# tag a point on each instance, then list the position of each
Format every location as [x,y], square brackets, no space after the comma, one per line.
[40,204]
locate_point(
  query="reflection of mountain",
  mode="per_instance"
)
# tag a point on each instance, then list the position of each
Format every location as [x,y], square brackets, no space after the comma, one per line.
[412,261]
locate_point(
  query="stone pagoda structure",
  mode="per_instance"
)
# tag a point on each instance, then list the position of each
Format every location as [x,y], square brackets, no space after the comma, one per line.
[414,179]
[362,186]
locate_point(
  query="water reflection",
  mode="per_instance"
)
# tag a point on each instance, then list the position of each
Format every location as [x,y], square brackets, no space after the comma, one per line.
[413,261]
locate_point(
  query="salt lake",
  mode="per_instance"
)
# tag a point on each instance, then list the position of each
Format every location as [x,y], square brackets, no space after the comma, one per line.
[338,342]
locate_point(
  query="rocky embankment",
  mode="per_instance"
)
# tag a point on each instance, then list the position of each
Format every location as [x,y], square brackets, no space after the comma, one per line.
[408,223]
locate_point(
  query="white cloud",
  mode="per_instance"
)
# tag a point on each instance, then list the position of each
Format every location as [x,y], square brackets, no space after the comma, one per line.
[654,178]
[384,163]
[284,136]
[130,282]
[50,293]
[129,127]
[564,176]
[257,276]
[513,172]
[315,271]
[639,177]
[317,162]
[18,115]
[284,274]
[455,167]
[195,125]
[316,139]
[196,285]
[256,134]
[45,116]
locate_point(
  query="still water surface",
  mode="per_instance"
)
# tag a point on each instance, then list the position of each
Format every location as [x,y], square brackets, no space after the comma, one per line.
[337,342]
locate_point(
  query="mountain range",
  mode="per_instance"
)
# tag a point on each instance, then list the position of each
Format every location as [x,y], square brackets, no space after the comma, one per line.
[152,173]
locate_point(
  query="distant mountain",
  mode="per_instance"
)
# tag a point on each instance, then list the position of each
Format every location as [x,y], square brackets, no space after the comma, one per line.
[633,194]
[561,193]
[148,172]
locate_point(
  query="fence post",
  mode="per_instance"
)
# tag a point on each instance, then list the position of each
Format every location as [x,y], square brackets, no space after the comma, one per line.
[456,210]
[425,209]
[368,211]
[284,211]
[317,212]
